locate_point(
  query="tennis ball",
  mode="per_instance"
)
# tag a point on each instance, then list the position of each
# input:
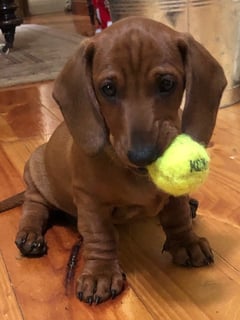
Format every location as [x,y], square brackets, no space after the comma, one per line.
[182,168]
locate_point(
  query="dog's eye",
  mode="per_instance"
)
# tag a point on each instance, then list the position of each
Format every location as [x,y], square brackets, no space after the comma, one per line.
[109,89]
[166,84]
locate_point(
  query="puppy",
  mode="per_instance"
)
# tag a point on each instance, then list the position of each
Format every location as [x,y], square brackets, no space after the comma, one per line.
[120,96]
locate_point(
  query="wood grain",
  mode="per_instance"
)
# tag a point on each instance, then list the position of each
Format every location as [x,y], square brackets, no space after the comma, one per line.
[9,307]
[33,289]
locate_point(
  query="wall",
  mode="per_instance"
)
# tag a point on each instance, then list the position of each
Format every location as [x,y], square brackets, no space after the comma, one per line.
[45,6]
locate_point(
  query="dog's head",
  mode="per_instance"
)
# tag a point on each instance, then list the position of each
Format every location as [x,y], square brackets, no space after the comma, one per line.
[126,85]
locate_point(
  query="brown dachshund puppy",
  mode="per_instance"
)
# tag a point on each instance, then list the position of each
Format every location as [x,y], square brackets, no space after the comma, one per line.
[120,96]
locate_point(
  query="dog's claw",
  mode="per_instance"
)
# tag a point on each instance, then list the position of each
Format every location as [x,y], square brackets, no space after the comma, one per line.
[163,249]
[90,300]
[113,294]
[124,276]
[188,263]
[23,241]
[36,244]
[97,300]
[210,260]
[20,242]
[207,262]
[80,296]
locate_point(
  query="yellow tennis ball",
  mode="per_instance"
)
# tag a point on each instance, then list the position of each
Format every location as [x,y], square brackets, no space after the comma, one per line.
[182,168]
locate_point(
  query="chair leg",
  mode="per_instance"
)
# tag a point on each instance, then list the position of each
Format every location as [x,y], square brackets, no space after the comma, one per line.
[8,22]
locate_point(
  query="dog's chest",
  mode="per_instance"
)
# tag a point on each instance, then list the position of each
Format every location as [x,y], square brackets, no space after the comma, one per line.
[112,183]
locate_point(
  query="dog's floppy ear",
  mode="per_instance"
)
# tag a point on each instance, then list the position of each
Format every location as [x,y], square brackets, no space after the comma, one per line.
[205,82]
[74,93]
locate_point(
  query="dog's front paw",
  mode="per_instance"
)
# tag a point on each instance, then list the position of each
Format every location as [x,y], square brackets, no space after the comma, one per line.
[99,281]
[31,244]
[193,253]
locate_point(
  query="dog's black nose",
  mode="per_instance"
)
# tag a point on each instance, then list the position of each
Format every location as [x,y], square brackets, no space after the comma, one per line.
[142,156]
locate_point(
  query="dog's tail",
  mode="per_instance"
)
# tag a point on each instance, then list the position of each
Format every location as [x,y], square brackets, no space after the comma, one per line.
[12,202]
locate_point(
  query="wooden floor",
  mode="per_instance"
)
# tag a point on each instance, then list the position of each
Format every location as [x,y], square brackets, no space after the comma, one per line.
[33,289]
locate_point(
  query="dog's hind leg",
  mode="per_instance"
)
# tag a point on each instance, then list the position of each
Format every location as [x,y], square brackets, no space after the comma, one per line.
[34,220]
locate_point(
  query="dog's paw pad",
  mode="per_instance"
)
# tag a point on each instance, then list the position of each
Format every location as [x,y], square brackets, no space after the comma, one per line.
[31,243]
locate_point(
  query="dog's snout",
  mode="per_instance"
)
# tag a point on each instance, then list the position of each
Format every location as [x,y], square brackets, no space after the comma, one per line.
[142,156]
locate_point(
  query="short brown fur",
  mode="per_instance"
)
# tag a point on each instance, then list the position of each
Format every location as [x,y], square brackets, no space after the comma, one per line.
[92,165]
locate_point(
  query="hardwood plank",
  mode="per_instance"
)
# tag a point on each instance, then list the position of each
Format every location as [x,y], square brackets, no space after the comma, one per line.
[9,308]
[6,133]
[39,283]
[29,117]
[171,292]
[156,288]
[18,152]
[10,179]
[220,194]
